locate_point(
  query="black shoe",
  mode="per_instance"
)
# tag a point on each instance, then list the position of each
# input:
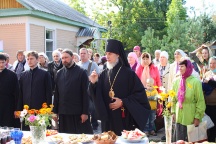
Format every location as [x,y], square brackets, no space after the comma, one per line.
[163,138]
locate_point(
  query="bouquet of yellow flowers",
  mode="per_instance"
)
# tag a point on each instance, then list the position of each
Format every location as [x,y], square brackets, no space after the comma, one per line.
[33,117]
[167,98]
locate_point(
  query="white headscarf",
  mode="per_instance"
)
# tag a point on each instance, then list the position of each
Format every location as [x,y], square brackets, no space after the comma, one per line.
[183,54]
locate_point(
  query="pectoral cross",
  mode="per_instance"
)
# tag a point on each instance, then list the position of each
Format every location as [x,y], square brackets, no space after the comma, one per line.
[123,113]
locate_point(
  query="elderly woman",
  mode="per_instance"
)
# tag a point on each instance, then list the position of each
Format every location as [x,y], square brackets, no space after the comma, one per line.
[43,61]
[201,58]
[210,79]
[54,66]
[76,57]
[174,67]
[132,60]
[188,104]
[145,71]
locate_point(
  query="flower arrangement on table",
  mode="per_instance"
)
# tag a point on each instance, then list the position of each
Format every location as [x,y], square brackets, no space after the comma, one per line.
[33,117]
[167,99]
[37,120]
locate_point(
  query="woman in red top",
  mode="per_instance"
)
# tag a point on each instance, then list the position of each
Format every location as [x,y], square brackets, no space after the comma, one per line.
[147,70]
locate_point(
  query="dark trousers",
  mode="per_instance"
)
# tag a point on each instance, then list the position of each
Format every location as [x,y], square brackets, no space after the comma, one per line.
[180,132]
[92,112]
[211,112]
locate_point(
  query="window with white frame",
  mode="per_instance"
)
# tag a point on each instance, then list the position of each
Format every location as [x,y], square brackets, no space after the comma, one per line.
[49,43]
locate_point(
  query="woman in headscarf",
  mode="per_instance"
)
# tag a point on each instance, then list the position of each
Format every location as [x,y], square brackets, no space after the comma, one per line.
[174,67]
[43,61]
[201,58]
[210,96]
[147,70]
[132,60]
[54,66]
[188,104]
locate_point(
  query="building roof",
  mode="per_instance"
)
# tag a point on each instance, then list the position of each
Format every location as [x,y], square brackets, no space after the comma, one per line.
[55,10]
[86,32]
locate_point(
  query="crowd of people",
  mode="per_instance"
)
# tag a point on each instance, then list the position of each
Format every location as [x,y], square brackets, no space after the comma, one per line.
[116,89]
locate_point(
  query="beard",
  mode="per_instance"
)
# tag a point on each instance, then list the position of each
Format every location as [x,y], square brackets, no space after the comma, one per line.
[68,64]
[112,65]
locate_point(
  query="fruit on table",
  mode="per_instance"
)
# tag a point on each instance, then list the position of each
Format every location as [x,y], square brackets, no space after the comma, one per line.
[133,135]
[51,132]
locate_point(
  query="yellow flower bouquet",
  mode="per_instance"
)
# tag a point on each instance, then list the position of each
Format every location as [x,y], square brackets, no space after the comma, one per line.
[33,117]
[167,99]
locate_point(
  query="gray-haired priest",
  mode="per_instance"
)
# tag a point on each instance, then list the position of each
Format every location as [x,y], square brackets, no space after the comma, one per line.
[119,96]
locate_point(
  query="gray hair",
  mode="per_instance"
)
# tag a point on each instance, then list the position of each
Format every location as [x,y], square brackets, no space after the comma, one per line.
[76,54]
[212,58]
[84,49]
[56,52]
[44,55]
[158,51]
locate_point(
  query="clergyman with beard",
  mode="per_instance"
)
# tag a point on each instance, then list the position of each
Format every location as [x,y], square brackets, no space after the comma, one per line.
[71,100]
[119,96]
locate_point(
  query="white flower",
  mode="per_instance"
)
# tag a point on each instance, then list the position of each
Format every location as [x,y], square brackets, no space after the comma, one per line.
[42,122]
[37,118]
[23,113]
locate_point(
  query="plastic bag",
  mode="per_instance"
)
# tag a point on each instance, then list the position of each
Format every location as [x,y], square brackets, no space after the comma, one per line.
[210,123]
[197,134]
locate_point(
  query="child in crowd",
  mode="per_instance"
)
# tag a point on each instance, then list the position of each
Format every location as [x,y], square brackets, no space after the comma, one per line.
[152,94]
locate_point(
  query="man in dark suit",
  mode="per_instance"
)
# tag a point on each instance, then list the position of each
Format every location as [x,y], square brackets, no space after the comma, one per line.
[35,85]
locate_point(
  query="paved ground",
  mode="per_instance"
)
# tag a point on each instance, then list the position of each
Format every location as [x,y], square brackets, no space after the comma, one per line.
[157,138]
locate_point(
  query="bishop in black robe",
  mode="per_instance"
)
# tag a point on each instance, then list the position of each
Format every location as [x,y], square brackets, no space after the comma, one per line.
[127,87]
[71,100]
[9,91]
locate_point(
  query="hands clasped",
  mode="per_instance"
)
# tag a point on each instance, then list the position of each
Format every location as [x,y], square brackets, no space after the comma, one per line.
[115,105]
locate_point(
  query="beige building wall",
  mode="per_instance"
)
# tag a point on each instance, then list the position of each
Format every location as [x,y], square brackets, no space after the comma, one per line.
[37,38]
[66,39]
[14,38]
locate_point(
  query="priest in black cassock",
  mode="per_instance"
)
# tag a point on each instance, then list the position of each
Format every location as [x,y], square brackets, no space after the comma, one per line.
[35,85]
[119,96]
[71,100]
[9,91]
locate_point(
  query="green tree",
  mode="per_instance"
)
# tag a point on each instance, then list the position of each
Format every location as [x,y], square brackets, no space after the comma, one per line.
[185,35]
[133,18]
[195,33]
[209,28]
[176,11]
[150,41]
